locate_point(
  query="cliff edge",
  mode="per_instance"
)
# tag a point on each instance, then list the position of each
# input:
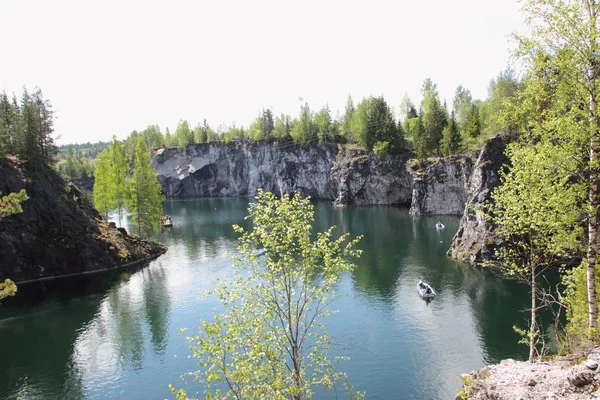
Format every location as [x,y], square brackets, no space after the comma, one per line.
[59,232]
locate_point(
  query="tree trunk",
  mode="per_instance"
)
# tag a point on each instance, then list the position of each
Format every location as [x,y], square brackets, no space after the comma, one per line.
[533,327]
[594,201]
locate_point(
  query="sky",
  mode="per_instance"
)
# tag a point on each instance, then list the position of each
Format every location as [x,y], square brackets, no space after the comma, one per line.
[110,67]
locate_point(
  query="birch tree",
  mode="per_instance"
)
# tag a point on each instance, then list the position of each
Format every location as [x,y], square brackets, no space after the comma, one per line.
[271,341]
[567,32]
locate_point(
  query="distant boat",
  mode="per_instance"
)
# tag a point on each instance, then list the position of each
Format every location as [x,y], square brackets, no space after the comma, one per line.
[259,252]
[439,225]
[425,290]
[167,221]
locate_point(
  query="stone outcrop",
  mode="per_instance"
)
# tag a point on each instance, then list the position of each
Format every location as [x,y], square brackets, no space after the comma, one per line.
[362,179]
[441,187]
[574,376]
[59,232]
[474,241]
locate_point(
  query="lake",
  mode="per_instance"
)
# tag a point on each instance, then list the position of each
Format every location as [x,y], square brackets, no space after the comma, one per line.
[116,335]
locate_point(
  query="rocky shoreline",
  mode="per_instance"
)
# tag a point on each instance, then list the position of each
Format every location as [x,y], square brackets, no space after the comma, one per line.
[572,377]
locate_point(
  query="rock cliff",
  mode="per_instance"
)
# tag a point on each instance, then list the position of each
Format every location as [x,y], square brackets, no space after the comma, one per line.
[474,241]
[59,232]
[346,175]
[441,187]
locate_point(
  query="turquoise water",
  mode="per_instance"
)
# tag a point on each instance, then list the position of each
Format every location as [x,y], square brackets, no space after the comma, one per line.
[116,335]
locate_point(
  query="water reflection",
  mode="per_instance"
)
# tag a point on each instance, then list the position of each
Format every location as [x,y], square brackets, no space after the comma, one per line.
[115,335]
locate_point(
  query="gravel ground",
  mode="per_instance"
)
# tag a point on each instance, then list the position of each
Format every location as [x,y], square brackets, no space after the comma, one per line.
[575,376]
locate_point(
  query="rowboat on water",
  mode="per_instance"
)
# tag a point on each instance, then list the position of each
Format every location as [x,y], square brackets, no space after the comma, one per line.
[425,290]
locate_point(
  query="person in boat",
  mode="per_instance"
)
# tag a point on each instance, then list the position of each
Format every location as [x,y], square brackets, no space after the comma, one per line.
[425,287]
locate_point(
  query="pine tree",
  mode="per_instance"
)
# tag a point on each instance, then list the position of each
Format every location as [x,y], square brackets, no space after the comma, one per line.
[473,128]
[145,193]
[433,116]
[451,139]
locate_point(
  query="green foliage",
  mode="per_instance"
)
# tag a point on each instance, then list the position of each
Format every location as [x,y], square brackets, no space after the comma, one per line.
[500,93]
[7,288]
[184,134]
[110,186]
[347,120]
[536,209]
[271,341]
[381,149]
[560,99]
[282,126]
[473,127]
[323,125]
[103,199]
[11,203]
[575,298]
[433,117]
[467,387]
[451,139]
[26,128]
[373,121]
[417,134]
[305,130]
[462,108]
[145,193]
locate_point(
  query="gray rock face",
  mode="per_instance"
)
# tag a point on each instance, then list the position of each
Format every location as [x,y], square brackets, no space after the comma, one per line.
[364,179]
[348,176]
[229,170]
[442,187]
[474,240]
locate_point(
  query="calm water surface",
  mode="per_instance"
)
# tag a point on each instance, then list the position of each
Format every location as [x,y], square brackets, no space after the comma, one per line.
[117,335]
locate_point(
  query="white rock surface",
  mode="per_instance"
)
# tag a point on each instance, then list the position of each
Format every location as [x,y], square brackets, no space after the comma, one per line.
[566,377]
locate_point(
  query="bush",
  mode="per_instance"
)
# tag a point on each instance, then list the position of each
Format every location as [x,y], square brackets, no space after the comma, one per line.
[381,149]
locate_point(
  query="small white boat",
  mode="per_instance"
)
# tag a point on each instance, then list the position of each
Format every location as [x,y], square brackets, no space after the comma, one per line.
[439,225]
[425,290]
[259,252]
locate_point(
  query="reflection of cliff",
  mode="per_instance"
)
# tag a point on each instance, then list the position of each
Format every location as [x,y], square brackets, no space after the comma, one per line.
[380,267]
[494,303]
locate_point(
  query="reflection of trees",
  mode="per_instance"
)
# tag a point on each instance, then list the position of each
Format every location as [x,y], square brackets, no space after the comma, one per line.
[158,306]
[384,242]
[125,322]
[204,226]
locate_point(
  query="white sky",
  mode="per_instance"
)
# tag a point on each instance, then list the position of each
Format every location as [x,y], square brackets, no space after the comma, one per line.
[110,67]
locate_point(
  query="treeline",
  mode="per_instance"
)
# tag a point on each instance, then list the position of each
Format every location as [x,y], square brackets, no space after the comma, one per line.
[429,128]
[26,127]
[77,161]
